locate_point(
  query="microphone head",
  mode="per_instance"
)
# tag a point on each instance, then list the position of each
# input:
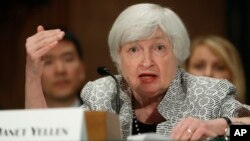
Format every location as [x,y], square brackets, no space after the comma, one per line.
[102,70]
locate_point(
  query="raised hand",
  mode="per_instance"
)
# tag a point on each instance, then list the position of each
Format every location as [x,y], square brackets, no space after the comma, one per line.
[38,45]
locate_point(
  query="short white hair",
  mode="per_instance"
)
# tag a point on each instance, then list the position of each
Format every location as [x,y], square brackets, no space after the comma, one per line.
[141,21]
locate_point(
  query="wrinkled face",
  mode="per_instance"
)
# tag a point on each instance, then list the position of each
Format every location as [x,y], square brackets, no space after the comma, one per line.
[63,72]
[205,62]
[148,65]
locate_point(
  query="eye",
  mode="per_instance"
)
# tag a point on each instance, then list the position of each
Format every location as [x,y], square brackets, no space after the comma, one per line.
[219,67]
[68,58]
[133,49]
[47,61]
[199,66]
[160,47]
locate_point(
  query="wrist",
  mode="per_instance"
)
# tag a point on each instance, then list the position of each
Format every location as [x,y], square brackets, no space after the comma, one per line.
[228,120]
[227,129]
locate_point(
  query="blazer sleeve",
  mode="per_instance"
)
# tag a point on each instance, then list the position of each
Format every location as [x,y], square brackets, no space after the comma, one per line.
[231,107]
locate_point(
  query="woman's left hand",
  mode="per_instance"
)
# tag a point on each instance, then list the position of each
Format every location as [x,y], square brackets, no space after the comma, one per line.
[196,129]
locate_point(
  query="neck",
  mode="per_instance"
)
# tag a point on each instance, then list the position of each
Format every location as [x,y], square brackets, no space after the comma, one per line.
[146,111]
[59,103]
[146,102]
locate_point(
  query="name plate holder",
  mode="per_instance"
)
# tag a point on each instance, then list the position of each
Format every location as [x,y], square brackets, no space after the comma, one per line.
[58,124]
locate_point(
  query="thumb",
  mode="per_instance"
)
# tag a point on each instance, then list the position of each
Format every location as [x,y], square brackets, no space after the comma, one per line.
[40,28]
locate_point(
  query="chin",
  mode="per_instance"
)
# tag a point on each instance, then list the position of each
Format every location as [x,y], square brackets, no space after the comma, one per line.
[63,94]
[148,91]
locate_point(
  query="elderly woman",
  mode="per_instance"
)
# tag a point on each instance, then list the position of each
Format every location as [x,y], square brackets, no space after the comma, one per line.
[147,43]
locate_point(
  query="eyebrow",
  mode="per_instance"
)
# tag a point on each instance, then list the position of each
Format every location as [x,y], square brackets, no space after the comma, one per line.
[67,53]
[49,56]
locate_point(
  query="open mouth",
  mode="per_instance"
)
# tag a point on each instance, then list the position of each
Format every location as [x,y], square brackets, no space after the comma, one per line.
[147,77]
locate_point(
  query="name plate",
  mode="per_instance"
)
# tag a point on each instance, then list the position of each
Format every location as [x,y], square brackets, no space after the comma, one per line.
[60,124]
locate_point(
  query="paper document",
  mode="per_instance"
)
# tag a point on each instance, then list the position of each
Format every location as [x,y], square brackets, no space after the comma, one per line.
[148,137]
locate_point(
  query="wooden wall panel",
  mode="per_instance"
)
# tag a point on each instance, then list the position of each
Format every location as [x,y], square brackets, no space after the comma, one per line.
[91,21]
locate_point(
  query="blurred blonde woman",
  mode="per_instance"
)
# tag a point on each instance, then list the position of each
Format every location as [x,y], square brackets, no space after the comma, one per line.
[214,56]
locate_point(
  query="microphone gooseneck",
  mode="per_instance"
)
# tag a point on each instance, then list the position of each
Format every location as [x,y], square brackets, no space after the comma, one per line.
[104,71]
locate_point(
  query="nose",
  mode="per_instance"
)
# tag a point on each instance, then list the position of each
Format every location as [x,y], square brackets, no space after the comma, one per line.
[147,59]
[208,72]
[59,67]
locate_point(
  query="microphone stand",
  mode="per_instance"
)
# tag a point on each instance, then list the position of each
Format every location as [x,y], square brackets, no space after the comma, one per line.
[104,71]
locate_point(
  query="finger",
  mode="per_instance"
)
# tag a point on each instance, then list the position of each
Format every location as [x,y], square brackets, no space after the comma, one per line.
[187,134]
[38,49]
[49,37]
[31,38]
[47,34]
[44,39]
[184,128]
[41,35]
[40,53]
[202,133]
[187,128]
[176,128]
[180,129]
[40,28]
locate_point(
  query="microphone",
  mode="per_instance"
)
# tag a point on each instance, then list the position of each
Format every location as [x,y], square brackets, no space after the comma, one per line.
[104,71]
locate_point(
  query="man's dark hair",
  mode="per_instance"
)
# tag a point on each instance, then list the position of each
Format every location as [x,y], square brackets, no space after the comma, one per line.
[69,36]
